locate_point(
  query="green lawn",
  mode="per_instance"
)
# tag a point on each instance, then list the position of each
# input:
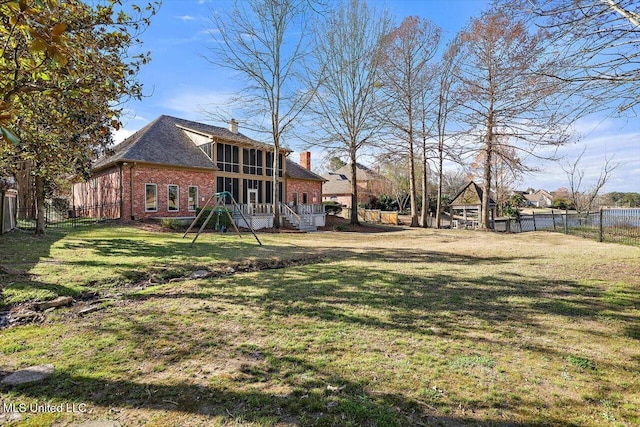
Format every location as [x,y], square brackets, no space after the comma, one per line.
[413,327]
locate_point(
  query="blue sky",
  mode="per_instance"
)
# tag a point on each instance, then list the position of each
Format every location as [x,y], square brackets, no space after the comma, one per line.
[180,82]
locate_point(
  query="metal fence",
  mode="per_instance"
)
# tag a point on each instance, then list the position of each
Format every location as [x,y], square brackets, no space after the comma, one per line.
[72,217]
[606,225]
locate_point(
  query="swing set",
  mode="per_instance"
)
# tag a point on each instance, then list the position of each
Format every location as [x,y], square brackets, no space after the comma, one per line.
[219,208]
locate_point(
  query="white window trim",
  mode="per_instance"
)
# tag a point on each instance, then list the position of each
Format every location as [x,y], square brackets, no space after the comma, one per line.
[146,209]
[177,209]
[196,198]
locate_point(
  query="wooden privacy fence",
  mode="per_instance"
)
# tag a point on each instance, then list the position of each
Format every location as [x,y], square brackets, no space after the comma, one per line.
[8,209]
[373,215]
[606,225]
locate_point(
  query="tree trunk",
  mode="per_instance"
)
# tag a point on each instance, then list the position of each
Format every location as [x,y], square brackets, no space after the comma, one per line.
[40,208]
[484,220]
[424,212]
[439,201]
[276,190]
[412,187]
[354,191]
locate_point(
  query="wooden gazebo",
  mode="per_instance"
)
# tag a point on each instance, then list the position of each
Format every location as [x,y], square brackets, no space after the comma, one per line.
[466,207]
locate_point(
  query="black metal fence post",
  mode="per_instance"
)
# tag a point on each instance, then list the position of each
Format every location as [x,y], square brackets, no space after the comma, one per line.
[533,215]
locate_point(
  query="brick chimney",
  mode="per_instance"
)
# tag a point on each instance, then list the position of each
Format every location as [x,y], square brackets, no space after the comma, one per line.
[305,160]
[233,125]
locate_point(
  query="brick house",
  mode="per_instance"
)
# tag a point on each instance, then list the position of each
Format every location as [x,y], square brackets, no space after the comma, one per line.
[370,184]
[172,166]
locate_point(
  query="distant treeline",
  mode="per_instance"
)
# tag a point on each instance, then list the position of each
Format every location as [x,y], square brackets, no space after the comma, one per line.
[617,198]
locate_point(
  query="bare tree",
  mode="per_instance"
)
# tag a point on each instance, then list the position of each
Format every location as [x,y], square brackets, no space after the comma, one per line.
[600,40]
[508,97]
[584,200]
[444,105]
[396,171]
[405,77]
[506,170]
[265,42]
[348,46]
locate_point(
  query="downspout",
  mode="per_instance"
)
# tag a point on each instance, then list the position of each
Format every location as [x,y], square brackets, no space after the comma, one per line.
[121,191]
[131,189]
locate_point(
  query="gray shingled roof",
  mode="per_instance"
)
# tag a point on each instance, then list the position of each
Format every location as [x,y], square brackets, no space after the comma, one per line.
[336,184]
[296,171]
[164,141]
[160,142]
[478,191]
[363,173]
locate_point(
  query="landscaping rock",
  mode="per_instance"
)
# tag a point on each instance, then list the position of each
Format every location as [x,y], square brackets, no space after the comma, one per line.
[100,424]
[88,310]
[58,302]
[7,417]
[199,274]
[29,375]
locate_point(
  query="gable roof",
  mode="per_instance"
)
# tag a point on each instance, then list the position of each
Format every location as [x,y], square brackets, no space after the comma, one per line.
[296,171]
[159,142]
[476,190]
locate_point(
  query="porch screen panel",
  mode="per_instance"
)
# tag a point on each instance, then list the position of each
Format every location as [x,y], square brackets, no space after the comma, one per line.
[268,197]
[269,165]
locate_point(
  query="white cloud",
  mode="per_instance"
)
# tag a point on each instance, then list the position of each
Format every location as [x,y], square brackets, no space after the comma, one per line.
[121,134]
[186,18]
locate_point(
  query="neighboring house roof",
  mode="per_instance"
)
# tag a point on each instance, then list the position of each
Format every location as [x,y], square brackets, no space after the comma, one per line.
[160,142]
[538,196]
[295,171]
[339,182]
[476,192]
[336,183]
[363,173]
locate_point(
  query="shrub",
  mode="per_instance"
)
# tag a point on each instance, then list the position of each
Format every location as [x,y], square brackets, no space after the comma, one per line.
[340,227]
[170,223]
[332,208]
[220,218]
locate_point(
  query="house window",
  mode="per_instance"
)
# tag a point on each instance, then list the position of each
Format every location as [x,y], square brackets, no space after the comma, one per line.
[193,198]
[228,157]
[173,198]
[151,198]
[252,161]
[207,149]
[305,198]
[315,197]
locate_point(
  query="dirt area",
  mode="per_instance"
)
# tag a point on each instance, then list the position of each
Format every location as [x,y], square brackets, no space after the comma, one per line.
[339,224]
[333,223]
